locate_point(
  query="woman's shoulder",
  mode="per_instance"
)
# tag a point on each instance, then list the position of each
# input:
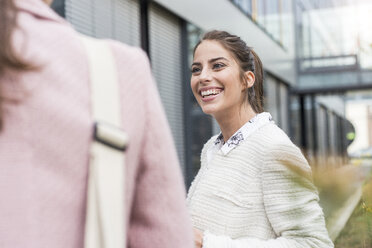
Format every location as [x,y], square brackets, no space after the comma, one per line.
[209,143]
[272,135]
[280,150]
[127,54]
[134,72]
[276,141]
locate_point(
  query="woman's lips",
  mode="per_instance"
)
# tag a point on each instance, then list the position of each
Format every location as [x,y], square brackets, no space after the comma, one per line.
[211,96]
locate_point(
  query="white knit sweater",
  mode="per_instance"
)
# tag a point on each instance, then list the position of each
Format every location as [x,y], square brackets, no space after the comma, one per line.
[258,195]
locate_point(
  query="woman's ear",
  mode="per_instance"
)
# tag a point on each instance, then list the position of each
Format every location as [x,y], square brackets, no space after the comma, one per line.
[249,79]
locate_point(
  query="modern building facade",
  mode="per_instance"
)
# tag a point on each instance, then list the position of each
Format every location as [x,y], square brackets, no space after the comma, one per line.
[168,30]
[333,60]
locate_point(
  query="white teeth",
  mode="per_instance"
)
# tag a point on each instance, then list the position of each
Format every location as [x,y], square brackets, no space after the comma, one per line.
[210,92]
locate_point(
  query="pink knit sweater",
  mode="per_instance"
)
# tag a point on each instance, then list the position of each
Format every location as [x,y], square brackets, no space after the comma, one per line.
[45,141]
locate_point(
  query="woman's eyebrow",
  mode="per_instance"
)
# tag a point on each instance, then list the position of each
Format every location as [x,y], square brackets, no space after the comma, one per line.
[218,58]
[209,61]
[195,63]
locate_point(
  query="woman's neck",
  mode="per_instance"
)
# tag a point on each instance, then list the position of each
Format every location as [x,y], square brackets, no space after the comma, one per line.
[232,121]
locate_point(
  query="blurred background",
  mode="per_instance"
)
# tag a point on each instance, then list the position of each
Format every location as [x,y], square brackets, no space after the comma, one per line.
[317,56]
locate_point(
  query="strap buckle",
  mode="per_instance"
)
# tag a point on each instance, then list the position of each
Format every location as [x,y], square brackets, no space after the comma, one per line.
[110,135]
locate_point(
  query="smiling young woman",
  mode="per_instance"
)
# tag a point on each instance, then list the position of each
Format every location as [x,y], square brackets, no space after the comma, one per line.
[215,84]
[254,188]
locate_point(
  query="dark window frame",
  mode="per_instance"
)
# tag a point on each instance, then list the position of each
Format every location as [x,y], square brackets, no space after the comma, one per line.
[59,7]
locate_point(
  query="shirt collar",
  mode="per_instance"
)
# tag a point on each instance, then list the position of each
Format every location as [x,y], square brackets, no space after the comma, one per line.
[243,133]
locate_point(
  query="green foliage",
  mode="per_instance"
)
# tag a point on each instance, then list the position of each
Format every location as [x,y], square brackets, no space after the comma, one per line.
[358,230]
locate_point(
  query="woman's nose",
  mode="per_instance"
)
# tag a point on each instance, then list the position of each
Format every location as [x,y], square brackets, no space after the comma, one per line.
[205,75]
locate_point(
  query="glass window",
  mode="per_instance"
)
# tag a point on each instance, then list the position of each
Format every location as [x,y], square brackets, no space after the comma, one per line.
[286,24]
[309,128]
[246,6]
[199,128]
[271,98]
[273,18]
[295,131]
[284,108]
[201,133]
[261,11]
[322,131]
[332,138]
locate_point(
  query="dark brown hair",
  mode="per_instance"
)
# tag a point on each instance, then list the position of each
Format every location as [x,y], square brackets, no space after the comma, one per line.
[8,57]
[248,61]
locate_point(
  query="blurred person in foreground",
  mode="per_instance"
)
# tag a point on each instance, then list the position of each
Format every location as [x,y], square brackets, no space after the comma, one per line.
[254,188]
[47,130]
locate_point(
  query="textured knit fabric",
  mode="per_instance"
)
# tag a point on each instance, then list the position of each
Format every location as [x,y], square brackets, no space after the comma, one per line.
[47,134]
[258,195]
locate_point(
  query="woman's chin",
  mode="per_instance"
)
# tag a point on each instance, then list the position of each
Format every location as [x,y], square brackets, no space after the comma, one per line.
[208,110]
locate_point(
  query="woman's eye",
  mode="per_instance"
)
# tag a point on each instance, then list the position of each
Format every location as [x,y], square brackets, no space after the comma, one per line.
[195,70]
[218,66]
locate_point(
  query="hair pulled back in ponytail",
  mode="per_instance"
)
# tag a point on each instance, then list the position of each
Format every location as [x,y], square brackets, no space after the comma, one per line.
[247,59]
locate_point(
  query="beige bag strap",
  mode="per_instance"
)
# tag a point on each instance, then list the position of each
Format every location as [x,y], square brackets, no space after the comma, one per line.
[105,217]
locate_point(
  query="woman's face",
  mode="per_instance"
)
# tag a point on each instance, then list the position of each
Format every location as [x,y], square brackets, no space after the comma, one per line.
[215,80]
